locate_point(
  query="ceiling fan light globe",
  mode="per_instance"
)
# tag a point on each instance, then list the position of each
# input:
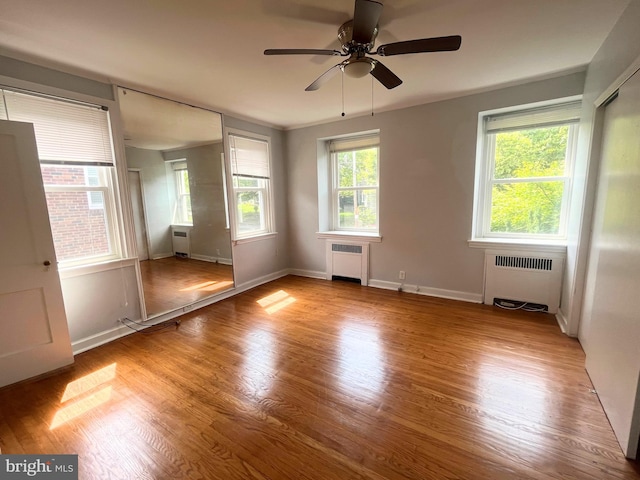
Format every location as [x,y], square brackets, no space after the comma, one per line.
[358,69]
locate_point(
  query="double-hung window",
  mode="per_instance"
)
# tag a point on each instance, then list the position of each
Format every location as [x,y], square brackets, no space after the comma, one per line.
[355,192]
[251,182]
[183,214]
[523,172]
[77,165]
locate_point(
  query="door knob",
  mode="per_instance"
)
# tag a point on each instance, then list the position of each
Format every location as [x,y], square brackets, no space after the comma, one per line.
[46,263]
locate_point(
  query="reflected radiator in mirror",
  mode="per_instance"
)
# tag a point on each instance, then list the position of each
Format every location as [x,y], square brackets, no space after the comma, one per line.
[181,237]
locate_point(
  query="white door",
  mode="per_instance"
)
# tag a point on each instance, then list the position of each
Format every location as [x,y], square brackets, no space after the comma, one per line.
[612,336]
[137,205]
[34,335]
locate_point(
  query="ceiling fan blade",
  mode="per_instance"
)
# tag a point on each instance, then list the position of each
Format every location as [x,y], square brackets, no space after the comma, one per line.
[436,44]
[324,78]
[385,76]
[300,51]
[365,20]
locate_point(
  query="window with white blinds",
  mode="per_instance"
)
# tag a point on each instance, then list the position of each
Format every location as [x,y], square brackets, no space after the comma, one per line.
[249,157]
[251,174]
[66,132]
[77,165]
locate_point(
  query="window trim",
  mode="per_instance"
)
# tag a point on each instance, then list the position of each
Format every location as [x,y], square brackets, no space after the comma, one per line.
[269,216]
[362,141]
[484,181]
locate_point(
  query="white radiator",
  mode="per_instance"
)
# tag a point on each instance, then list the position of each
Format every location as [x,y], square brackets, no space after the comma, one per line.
[180,237]
[535,278]
[348,259]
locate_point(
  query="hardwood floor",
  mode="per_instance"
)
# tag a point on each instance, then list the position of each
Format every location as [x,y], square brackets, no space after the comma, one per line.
[172,282]
[309,379]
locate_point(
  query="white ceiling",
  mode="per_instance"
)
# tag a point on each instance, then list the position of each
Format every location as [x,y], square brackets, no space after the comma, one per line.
[209,52]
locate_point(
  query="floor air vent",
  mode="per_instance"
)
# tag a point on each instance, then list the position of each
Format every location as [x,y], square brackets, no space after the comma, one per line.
[531,278]
[346,260]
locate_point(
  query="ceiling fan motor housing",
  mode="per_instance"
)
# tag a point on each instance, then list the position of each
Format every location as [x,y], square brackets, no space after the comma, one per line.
[345,36]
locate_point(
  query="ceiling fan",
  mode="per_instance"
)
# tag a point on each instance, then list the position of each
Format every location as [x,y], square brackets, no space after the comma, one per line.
[357,37]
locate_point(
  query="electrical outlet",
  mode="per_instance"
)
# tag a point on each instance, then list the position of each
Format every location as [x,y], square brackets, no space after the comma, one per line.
[402,275]
[218,251]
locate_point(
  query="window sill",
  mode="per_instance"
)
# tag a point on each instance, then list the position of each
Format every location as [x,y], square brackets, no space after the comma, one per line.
[546,246]
[351,236]
[256,238]
[80,270]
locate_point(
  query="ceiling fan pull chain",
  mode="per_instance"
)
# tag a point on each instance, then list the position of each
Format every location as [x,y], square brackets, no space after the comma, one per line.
[371,95]
[342,77]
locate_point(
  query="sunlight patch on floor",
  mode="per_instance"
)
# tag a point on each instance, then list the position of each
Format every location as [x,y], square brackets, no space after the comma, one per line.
[276,301]
[90,393]
[89,382]
[81,407]
[208,286]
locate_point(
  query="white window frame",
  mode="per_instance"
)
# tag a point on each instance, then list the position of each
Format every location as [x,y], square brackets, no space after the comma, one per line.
[181,207]
[107,180]
[93,179]
[359,142]
[526,116]
[264,189]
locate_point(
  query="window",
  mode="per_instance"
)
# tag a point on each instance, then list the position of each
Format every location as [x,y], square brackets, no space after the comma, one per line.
[524,172]
[183,214]
[94,197]
[251,184]
[354,167]
[77,165]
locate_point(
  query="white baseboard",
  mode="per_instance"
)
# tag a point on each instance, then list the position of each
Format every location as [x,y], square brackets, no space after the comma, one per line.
[428,291]
[308,273]
[207,258]
[563,322]
[203,258]
[259,281]
[162,255]
[101,338]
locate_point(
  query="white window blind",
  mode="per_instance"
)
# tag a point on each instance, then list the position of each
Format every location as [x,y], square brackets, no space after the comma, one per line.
[66,132]
[179,165]
[249,157]
[354,143]
[3,111]
[538,117]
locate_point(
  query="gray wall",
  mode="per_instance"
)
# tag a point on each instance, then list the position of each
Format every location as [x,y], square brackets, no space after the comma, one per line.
[427,163]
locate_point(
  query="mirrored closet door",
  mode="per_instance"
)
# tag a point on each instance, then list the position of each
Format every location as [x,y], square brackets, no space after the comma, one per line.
[176,181]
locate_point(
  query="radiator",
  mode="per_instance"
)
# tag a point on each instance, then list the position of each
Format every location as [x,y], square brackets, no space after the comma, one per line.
[349,260]
[180,237]
[520,277]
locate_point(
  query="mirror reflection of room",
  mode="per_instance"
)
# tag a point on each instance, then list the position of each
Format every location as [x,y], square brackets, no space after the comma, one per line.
[177,183]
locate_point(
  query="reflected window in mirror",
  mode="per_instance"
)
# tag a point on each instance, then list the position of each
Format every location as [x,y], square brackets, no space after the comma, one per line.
[183,214]
[251,183]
